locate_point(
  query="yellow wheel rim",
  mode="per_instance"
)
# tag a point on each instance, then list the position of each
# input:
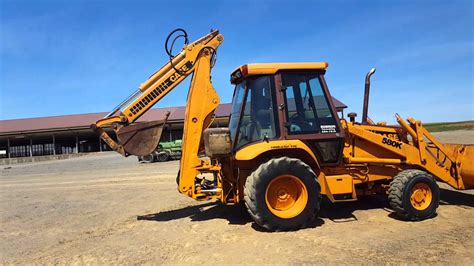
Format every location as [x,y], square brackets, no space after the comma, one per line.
[286,196]
[421,196]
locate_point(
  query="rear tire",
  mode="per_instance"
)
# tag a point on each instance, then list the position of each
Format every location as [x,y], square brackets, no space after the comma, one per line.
[147,158]
[282,194]
[414,195]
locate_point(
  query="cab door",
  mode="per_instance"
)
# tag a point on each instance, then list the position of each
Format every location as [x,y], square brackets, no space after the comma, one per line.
[310,116]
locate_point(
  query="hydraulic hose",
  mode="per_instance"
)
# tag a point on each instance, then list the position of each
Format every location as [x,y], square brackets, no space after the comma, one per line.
[169,49]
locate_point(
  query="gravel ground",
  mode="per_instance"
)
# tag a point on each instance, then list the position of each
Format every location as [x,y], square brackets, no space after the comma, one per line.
[103,208]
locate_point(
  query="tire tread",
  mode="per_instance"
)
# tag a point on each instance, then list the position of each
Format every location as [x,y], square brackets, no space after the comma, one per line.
[250,190]
[397,189]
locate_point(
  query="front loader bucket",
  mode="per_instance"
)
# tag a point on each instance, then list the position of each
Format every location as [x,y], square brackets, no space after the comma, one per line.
[142,138]
[464,156]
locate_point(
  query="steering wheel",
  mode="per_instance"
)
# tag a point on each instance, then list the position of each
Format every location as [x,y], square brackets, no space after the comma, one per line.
[298,123]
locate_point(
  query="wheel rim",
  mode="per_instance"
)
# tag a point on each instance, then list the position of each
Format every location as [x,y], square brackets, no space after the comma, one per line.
[286,196]
[421,196]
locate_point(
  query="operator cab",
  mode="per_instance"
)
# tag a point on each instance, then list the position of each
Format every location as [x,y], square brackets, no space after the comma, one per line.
[285,101]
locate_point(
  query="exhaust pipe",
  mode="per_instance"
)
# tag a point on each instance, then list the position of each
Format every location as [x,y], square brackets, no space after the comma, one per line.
[365,109]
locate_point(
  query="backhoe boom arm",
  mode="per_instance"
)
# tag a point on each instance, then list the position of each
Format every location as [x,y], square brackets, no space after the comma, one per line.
[139,138]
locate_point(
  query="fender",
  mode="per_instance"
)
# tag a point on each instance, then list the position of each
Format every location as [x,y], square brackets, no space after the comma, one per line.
[254,150]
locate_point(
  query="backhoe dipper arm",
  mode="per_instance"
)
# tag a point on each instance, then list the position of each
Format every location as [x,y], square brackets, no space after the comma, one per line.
[194,58]
[197,59]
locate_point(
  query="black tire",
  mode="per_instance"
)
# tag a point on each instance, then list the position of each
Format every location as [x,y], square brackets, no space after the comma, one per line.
[399,194]
[147,158]
[162,157]
[256,187]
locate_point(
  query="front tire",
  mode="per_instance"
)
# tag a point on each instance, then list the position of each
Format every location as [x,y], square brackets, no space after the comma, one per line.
[282,194]
[162,157]
[414,195]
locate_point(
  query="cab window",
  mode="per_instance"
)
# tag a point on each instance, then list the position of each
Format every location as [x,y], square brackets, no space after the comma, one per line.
[258,117]
[307,106]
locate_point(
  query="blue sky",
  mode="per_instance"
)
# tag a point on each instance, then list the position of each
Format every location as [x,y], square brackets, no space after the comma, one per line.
[69,57]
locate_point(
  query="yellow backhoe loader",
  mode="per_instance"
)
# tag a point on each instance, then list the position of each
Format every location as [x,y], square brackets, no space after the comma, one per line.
[285,146]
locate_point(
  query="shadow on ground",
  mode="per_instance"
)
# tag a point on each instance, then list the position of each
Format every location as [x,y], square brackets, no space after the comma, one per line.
[453,197]
[336,212]
[340,212]
[234,214]
[207,211]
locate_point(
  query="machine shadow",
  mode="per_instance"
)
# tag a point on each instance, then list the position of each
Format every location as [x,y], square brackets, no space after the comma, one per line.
[344,211]
[237,214]
[207,211]
[453,197]
[335,212]
[234,214]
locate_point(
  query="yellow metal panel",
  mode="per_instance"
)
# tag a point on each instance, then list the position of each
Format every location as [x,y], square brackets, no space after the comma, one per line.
[201,103]
[385,144]
[252,151]
[340,184]
[272,68]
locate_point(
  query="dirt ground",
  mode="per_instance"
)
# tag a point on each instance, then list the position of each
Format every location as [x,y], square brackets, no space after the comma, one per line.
[103,208]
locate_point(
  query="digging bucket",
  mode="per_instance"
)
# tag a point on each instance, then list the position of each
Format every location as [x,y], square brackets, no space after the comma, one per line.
[141,139]
[464,156]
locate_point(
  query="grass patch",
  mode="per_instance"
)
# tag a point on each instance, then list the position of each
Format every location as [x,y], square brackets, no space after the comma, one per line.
[438,127]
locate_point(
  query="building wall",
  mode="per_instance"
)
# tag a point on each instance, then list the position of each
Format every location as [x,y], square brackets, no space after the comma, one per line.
[55,143]
[68,142]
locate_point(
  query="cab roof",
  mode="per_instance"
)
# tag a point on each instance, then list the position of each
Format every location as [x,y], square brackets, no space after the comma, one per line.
[272,68]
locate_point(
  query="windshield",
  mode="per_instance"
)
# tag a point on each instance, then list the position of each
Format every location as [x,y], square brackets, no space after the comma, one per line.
[258,118]
[235,111]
